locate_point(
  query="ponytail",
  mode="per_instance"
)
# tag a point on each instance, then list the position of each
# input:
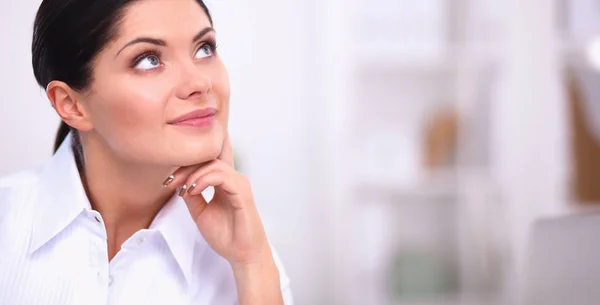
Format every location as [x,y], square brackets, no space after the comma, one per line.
[63,131]
[61,135]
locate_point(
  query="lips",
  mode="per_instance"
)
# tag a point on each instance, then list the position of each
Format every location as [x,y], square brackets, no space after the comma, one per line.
[195,117]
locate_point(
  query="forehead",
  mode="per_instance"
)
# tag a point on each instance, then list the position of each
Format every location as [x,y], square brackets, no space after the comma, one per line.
[164,18]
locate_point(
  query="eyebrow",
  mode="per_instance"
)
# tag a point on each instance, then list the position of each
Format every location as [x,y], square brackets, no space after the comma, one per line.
[162,43]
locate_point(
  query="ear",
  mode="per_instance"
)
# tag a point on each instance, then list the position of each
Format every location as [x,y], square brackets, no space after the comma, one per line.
[67,103]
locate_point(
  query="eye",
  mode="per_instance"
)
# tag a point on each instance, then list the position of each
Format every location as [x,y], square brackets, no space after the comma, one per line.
[206,50]
[147,62]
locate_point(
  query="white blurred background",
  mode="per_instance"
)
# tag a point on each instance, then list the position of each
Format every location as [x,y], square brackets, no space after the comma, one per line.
[399,150]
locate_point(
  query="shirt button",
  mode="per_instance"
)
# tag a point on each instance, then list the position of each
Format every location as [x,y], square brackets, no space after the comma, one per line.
[142,240]
[110,280]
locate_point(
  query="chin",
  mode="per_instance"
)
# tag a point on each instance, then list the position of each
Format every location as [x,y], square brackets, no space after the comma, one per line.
[196,152]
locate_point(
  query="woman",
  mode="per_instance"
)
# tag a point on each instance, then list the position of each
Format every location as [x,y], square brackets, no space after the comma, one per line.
[118,216]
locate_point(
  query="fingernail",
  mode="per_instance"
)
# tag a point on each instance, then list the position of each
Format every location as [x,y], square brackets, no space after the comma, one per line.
[168,181]
[192,187]
[182,192]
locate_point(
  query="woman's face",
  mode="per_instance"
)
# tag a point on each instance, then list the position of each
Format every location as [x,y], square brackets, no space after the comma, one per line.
[161,66]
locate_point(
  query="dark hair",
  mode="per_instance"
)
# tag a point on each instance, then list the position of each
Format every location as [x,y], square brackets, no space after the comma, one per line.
[68,35]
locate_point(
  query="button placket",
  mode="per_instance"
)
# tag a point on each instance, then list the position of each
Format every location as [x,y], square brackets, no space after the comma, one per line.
[102,273]
[98,249]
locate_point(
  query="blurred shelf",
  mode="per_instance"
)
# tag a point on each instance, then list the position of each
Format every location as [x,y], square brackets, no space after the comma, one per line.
[455,300]
[411,68]
[442,187]
[445,59]
[571,47]
[407,58]
[441,301]
[576,53]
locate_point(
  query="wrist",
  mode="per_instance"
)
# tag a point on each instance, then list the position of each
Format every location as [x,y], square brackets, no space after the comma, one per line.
[258,256]
[258,282]
[262,264]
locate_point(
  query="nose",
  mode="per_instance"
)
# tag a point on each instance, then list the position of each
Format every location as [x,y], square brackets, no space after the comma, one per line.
[193,81]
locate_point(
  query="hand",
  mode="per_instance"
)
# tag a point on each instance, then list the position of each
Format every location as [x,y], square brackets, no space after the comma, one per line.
[231,225]
[229,222]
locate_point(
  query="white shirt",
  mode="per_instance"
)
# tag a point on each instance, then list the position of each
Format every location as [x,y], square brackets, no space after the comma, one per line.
[53,249]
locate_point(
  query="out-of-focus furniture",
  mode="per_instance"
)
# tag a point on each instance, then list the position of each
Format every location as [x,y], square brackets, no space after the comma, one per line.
[585,142]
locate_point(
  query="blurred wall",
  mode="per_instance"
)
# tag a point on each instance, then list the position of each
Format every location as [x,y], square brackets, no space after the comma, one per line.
[531,131]
[28,122]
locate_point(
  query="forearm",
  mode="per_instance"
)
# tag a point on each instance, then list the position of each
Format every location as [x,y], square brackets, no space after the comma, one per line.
[258,284]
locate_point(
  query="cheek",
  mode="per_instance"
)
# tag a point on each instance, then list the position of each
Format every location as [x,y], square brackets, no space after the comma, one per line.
[222,90]
[134,107]
[129,114]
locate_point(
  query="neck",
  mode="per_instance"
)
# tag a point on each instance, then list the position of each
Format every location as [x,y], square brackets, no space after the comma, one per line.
[126,194]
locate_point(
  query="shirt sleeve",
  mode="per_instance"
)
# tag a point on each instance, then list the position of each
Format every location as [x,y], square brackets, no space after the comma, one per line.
[284,280]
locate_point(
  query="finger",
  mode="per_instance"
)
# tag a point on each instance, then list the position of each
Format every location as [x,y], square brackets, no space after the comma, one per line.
[226,152]
[196,203]
[178,178]
[214,166]
[217,178]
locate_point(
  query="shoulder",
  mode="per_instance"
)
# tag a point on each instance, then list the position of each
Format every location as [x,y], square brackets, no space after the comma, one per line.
[16,190]
[17,179]
[13,184]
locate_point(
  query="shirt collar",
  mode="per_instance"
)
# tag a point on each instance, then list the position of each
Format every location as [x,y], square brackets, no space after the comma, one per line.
[181,234]
[60,196]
